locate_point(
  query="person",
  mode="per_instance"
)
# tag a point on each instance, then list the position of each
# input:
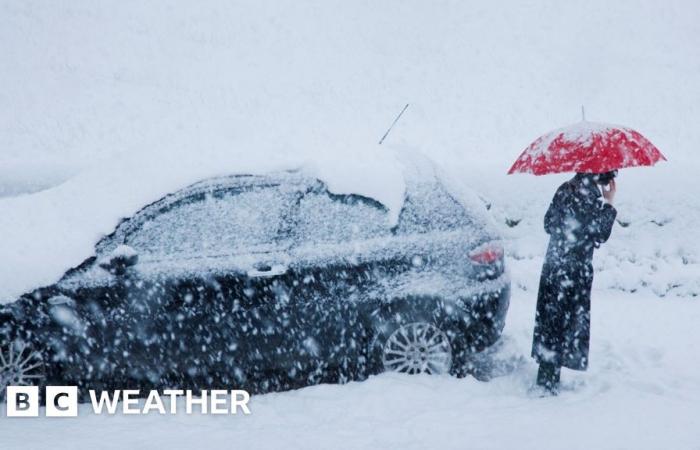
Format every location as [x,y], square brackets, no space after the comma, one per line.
[579,219]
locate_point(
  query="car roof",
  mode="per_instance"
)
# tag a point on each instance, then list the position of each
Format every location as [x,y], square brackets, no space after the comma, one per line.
[288,178]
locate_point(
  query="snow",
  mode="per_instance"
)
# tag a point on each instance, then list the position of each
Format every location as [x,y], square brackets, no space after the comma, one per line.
[656,251]
[578,147]
[581,133]
[118,104]
[108,106]
[124,251]
[641,391]
[45,233]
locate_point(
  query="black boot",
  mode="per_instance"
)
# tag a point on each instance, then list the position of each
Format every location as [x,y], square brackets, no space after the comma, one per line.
[548,377]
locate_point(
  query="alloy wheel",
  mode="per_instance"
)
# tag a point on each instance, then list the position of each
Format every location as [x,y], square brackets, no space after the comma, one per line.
[20,365]
[418,347]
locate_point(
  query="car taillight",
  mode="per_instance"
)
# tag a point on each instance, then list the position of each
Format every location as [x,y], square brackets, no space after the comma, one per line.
[488,253]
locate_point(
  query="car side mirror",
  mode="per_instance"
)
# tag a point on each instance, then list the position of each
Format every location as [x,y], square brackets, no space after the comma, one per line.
[120,260]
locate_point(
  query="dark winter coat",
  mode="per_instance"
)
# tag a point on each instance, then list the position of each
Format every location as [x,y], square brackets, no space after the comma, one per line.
[578,222]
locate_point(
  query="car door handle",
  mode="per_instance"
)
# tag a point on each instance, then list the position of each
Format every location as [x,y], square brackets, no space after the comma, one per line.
[267,270]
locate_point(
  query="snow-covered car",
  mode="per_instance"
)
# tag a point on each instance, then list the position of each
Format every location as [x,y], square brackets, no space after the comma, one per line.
[266,282]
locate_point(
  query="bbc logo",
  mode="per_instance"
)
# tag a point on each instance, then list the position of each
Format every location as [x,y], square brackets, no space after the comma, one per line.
[62,401]
[23,401]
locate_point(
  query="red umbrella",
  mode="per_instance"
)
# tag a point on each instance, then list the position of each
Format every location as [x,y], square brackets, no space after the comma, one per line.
[587,147]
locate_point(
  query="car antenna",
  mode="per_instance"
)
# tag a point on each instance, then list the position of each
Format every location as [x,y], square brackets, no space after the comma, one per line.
[394,123]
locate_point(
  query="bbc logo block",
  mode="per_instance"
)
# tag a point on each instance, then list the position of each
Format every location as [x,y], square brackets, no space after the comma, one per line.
[23,401]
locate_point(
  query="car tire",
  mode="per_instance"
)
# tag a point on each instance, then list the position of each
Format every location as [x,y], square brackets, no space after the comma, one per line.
[20,365]
[411,336]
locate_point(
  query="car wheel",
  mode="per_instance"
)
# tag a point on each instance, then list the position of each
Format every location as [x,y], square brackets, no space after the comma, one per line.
[20,365]
[418,347]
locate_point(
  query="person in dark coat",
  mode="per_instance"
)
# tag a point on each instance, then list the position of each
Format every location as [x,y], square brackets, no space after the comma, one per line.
[579,219]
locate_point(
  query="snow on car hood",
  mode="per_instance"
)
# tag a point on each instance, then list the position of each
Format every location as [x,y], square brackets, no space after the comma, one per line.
[45,233]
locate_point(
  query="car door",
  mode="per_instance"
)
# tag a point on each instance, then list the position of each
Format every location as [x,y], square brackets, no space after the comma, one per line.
[337,242]
[202,299]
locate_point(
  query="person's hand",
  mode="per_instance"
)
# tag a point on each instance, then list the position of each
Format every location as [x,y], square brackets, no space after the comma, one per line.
[609,192]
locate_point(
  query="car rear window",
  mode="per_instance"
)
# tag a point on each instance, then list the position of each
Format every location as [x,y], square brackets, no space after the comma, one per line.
[429,207]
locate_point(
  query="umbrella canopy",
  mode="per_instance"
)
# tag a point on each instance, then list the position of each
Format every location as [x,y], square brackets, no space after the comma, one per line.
[587,147]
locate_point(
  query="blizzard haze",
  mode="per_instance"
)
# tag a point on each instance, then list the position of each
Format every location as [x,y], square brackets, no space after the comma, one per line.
[132,100]
[107,106]
[91,80]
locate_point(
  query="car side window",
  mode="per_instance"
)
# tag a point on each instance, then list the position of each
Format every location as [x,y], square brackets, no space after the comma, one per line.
[325,217]
[228,221]
[429,207]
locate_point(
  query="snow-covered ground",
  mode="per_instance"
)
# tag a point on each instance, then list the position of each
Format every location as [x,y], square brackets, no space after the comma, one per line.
[642,391]
[108,105]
